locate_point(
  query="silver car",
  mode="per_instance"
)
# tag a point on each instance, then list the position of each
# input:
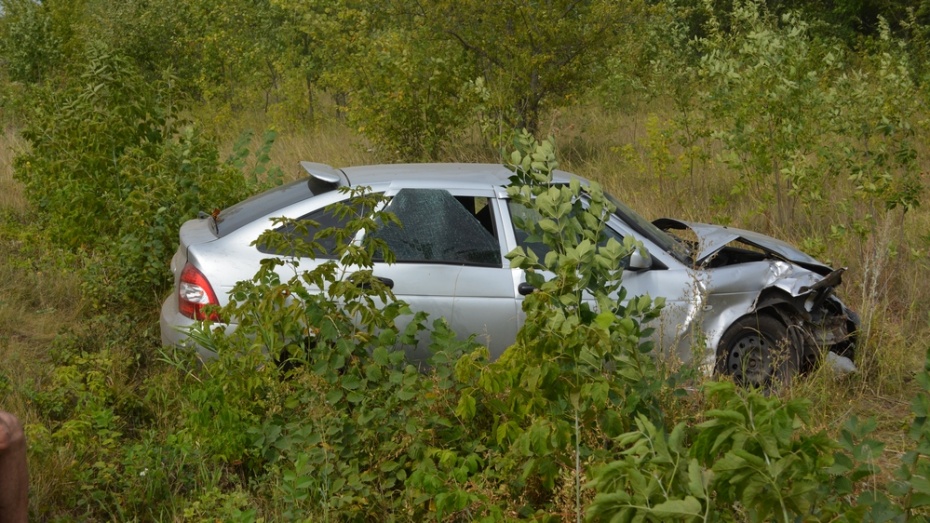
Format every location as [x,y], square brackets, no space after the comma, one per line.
[734,299]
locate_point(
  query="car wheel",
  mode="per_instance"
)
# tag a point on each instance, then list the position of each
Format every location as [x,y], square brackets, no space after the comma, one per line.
[758,351]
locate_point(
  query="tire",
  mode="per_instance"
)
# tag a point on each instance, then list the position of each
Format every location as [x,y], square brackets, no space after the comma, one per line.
[758,351]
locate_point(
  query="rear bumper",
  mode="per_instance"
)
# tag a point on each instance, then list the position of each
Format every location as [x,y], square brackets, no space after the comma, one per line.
[174,328]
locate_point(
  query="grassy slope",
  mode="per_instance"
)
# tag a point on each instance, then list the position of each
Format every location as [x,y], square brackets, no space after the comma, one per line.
[39,296]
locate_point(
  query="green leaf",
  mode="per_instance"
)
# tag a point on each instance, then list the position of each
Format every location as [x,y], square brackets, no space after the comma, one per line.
[727,415]
[548,226]
[351,382]
[605,319]
[380,356]
[467,407]
[696,484]
[333,396]
[355,397]
[688,507]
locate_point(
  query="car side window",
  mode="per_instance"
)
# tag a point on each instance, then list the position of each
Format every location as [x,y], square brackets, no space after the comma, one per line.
[307,226]
[528,215]
[437,227]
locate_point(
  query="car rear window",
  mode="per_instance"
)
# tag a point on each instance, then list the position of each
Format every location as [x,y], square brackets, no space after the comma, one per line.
[262,204]
[307,226]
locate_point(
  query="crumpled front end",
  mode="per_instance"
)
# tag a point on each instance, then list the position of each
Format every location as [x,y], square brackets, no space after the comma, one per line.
[749,273]
[822,323]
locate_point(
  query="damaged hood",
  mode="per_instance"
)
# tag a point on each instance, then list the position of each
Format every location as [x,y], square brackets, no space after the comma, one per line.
[713,238]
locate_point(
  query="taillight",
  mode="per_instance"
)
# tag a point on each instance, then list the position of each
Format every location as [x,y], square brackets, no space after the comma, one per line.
[194,293]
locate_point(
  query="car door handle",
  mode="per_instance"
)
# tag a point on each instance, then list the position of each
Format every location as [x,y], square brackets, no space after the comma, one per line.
[389,283]
[525,289]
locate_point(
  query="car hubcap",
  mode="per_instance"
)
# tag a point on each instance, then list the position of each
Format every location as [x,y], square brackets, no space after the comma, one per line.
[750,360]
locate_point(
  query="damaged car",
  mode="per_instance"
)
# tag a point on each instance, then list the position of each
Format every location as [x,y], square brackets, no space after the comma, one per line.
[737,302]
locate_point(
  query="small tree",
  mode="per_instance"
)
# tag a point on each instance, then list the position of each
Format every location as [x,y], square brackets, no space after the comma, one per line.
[115,170]
[531,53]
[764,91]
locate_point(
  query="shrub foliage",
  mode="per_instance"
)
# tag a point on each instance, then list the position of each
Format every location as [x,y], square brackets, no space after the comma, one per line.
[113,167]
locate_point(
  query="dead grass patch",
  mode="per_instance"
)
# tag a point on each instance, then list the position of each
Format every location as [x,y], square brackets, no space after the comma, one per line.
[12,198]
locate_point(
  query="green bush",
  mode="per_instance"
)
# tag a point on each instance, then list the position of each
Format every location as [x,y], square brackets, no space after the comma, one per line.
[409,100]
[309,378]
[114,169]
[754,458]
[32,39]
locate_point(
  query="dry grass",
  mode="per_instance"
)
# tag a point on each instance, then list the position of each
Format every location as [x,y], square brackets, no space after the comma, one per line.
[331,143]
[27,270]
[11,195]
[329,140]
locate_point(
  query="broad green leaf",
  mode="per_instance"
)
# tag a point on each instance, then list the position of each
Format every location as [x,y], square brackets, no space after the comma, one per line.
[696,479]
[688,507]
[467,407]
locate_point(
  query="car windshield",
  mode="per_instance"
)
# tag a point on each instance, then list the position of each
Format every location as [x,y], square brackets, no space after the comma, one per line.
[664,240]
[644,227]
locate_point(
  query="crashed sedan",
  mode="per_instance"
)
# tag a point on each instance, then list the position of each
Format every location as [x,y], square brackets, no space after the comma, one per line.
[740,303]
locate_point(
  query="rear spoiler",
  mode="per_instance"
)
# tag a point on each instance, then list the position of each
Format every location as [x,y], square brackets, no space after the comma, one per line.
[324,178]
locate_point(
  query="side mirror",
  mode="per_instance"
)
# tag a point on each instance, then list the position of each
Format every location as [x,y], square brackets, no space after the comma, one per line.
[639,260]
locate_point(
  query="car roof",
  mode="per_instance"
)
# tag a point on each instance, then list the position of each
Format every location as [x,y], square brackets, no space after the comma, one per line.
[461,174]
[323,178]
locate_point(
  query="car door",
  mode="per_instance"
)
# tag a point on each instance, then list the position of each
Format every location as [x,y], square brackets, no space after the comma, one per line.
[449,263]
[672,282]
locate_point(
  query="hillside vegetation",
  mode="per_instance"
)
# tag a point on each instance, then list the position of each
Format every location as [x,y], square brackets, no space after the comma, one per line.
[121,120]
